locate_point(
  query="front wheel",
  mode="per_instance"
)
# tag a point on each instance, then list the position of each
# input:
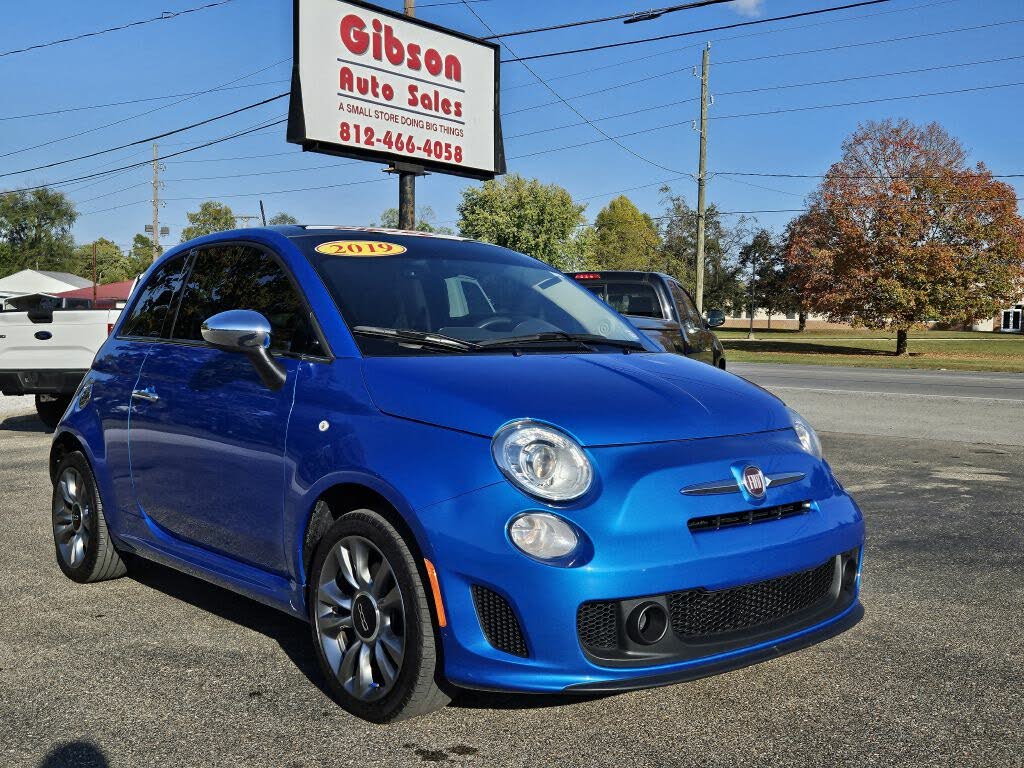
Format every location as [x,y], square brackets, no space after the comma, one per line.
[51,408]
[371,621]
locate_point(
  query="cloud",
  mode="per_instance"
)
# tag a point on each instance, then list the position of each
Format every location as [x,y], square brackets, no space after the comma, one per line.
[747,7]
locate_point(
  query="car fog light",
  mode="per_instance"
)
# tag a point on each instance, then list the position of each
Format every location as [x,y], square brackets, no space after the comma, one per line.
[543,536]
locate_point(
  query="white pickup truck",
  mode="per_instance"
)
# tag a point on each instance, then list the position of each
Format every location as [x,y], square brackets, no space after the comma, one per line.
[46,354]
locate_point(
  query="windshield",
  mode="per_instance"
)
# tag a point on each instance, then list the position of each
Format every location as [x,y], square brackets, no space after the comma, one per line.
[467,291]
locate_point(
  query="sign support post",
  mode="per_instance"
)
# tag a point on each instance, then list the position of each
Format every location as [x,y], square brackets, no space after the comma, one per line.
[407,179]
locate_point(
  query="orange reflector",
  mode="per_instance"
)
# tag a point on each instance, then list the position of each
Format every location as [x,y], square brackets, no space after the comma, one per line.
[435,588]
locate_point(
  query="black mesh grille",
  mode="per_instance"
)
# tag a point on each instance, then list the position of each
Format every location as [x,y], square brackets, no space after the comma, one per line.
[597,625]
[698,613]
[747,517]
[498,621]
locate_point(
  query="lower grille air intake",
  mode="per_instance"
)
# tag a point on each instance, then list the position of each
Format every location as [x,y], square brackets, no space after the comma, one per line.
[598,625]
[698,613]
[499,622]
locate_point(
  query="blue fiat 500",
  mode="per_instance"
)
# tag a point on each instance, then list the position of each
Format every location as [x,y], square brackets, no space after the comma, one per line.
[463,469]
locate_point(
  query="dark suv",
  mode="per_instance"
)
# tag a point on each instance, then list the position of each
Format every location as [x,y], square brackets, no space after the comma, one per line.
[660,307]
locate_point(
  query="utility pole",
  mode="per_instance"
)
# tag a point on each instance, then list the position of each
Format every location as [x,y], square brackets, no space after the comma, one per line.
[702,176]
[156,203]
[94,273]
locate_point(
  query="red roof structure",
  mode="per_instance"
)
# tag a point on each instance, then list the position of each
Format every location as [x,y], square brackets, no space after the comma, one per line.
[111,292]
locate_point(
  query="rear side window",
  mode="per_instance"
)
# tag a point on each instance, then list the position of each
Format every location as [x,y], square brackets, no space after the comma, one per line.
[243,277]
[149,316]
[687,309]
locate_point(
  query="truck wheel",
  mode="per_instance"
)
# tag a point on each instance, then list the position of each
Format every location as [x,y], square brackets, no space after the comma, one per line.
[51,407]
[85,551]
[371,621]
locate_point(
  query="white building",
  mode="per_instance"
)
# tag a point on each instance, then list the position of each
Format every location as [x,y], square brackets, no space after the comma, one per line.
[38,281]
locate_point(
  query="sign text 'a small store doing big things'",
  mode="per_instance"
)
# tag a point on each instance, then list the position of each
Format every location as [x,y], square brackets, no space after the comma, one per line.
[375,85]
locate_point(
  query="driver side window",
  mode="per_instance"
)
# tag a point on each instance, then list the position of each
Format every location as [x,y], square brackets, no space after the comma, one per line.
[245,277]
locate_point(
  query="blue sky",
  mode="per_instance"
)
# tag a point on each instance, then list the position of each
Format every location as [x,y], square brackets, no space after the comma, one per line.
[252,38]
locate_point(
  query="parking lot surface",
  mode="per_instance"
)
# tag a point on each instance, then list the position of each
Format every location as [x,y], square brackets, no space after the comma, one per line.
[162,669]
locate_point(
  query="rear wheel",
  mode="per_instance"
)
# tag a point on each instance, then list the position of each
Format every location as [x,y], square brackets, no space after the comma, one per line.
[84,549]
[51,407]
[371,621]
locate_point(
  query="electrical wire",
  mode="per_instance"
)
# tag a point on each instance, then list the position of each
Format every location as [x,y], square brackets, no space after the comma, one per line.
[736,25]
[783,86]
[715,40]
[607,136]
[148,138]
[627,18]
[143,114]
[166,15]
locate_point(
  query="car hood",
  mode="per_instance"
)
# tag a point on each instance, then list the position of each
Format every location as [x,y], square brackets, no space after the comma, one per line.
[600,399]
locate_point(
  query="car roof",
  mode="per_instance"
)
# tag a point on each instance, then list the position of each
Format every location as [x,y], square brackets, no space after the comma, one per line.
[300,230]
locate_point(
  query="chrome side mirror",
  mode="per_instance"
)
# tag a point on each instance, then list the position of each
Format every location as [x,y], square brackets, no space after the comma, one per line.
[247,332]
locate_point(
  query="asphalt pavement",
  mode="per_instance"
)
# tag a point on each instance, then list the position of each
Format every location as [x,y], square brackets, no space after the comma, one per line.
[945,405]
[162,669]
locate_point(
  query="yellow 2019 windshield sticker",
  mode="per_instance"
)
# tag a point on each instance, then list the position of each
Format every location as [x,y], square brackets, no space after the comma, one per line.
[360,248]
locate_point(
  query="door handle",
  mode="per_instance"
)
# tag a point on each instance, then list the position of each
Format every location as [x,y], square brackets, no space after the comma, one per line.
[148,394]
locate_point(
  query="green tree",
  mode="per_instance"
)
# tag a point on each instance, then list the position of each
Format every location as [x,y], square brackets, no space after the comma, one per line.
[522,214]
[211,217]
[142,250]
[626,238]
[424,221]
[723,283]
[112,264]
[902,231]
[282,218]
[35,231]
[769,287]
[577,254]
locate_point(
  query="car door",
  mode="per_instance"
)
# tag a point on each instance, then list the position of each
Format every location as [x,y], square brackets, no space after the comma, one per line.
[700,342]
[206,436]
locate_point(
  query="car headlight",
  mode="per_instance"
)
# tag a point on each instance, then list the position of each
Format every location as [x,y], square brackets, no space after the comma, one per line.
[543,461]
[808,439]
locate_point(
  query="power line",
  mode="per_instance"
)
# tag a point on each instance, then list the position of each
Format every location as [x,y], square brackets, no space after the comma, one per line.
[846,46]
[143,114]
[148,138]
[162,17]
[628,18]
[771,87]
[867,101]
[735,25]
[220,140]
[579,114]
[65,110]
[759,33]
[855,175]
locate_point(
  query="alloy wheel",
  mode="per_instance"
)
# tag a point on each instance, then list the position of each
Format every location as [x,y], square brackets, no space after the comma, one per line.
[73,520]
[360,618]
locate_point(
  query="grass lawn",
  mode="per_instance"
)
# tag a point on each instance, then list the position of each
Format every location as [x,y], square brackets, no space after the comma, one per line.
[953,350]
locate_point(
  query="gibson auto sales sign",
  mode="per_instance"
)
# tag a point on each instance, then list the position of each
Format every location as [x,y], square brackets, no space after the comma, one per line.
[375,85]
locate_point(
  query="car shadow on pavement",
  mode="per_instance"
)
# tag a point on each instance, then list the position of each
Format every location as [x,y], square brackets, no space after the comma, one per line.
[293,636]
[290,633]
[25,423]
[75,754]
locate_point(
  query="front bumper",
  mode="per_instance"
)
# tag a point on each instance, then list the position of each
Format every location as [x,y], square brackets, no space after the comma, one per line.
[640,548]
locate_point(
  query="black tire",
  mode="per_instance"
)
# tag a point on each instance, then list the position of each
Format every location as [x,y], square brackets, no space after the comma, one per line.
[416,689]
[82,543]
[50,408]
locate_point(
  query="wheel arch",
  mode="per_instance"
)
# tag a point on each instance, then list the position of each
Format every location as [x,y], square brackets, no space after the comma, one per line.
[64,443]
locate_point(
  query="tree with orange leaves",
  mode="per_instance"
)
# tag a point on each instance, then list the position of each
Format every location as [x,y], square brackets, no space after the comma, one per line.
[901,231]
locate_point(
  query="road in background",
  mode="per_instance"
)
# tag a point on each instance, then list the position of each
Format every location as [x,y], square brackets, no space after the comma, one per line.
[941,405]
